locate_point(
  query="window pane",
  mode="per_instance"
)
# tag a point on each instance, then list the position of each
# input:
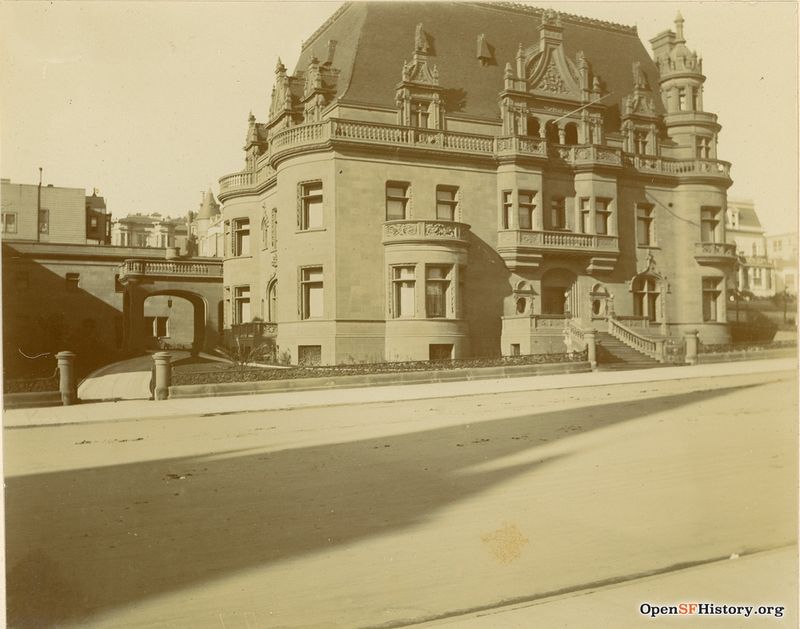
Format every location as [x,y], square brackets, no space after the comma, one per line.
[525,218]
[435,299]
[445,212]
[314,212]
[436,272]
[445,195]
[315,300]
[395,209]
[601,223]
[406,299]
[395,191]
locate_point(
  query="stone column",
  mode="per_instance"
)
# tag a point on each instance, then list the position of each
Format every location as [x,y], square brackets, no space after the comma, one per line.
[691,337]
[163,375]
[66,372]
[591,347]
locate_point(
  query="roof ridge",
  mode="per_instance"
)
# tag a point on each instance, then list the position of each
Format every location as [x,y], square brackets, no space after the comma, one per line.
[569,17]
[325,25]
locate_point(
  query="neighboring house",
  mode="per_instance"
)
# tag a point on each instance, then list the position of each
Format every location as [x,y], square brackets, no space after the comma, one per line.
[755,271]
[62,290]
[207,227]
[56,214]
[782,249]
[150,230]
[442,180]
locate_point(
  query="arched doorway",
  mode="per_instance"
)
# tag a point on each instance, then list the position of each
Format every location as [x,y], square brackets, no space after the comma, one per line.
[557,292]
[174,320]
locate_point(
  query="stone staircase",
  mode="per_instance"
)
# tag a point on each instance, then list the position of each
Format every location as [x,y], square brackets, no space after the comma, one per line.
[614,355]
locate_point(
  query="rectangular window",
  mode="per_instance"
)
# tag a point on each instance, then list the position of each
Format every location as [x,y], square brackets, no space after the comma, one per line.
[709,224]
[644,225]
[9,222]
[437,289]
[440,351]
[681,99]
[44,221]
[311,205]
[403,280]
[73,279]
[241,236]
[558,213]
[507,207]
[446,203]
[396,201]
[311,292]
[241,304]
[420,115]
[601,216]
[515,349]
[711,295]
[526,208]
[703,148]
[309,355]
[586,215]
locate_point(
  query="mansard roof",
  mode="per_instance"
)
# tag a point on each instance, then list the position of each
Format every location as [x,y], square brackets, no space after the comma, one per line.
[373,39]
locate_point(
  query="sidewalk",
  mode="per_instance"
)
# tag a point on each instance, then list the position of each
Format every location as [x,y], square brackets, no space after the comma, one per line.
[138,409]
[764,578]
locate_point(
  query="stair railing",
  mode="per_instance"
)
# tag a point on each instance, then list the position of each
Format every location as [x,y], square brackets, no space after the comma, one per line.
[575,334]
[652,347]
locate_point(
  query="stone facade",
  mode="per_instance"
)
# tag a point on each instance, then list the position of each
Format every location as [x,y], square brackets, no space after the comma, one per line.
[782,250]
[467,181]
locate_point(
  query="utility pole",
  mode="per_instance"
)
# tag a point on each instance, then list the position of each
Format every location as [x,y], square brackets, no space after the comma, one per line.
[38,204]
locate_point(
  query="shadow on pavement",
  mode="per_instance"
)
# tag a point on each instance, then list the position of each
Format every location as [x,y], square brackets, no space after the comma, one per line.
[87,540]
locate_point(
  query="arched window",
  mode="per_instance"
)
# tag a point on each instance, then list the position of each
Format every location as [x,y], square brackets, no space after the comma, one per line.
[571,133]
[646,296]
[534,128]
[272,302]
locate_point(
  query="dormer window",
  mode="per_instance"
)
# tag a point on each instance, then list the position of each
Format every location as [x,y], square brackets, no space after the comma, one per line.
[420,115]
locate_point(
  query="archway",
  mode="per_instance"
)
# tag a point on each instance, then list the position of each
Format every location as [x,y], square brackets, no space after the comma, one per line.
[571,133]
[174,319]
[557,292]
[551,133]
[534,128]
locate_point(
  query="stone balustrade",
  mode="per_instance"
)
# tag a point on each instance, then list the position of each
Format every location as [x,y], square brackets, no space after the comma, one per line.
[424,230]
[161,268]
[712,253]
[334,130]
[652,347]
[555,240]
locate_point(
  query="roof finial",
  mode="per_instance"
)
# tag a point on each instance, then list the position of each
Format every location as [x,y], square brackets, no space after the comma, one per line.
[679,28]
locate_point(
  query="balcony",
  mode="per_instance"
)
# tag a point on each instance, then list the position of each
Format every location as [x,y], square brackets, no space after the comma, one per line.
[166,269]
[333,132]
[426,232]
[715,253]
[524,248]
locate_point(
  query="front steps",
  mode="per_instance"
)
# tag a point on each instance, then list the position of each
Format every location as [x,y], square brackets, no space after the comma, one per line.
[614,355]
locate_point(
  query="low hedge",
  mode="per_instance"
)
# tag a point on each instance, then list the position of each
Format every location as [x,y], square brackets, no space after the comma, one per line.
[31,385]
[742,347]
[251,374]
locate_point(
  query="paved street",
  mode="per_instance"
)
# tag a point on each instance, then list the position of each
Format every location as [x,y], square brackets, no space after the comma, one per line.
[387,513]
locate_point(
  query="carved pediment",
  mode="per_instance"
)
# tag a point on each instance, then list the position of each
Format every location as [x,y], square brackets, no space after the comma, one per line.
[640,102]
[419,72]
[552,73]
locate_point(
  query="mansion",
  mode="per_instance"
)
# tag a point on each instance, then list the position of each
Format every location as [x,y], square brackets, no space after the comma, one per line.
[446,180]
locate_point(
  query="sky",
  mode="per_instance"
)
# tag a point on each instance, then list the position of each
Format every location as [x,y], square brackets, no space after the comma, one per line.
[148,101]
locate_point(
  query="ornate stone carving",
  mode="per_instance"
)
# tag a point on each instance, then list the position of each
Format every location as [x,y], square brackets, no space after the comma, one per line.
[552,80]
[440,229]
